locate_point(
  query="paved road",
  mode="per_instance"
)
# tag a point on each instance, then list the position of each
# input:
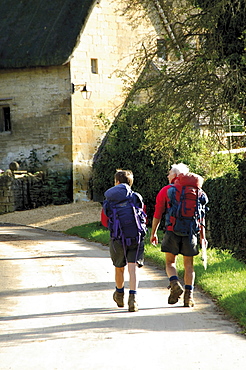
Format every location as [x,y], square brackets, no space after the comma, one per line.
[57,312]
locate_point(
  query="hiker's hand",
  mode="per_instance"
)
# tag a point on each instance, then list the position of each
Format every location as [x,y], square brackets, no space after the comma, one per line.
[204,243]
[154,239]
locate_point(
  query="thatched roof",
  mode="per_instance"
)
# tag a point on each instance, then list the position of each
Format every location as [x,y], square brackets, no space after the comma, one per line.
[40,32]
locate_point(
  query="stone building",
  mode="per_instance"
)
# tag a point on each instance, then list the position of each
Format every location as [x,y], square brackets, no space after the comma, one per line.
[53,53]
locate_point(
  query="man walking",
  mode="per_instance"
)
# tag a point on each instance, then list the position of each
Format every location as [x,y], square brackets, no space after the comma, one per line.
[174,244]
[127,230]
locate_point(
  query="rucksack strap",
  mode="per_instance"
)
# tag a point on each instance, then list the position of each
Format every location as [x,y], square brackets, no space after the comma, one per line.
[116,224]
[116,231]
[127,242]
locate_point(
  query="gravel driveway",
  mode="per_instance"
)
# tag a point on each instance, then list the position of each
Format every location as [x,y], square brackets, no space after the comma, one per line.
[56,218]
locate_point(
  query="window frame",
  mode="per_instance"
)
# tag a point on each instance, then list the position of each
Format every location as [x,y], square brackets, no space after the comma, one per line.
[94,66]
[5,118]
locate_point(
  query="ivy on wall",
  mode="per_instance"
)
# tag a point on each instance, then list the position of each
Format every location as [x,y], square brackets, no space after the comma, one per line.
[57,185]
[57,188]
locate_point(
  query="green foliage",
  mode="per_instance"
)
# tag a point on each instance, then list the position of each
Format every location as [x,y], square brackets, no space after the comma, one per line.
[57,185]
[32,163]
[203,76]
[125,147]
[189,145]
[57,188]
[148,145]
[93,232]
[236,123]
[36,159]
[142,143]
[227,203]
[224,280]
[226,30]
[154,255]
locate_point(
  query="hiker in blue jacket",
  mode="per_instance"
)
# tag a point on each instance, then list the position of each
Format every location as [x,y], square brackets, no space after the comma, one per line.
[126,222]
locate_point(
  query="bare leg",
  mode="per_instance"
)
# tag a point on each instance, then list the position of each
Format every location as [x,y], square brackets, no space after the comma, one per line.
[189,279]
[119,277]
[133,280]
[171,265]
[118,297]
[189,274]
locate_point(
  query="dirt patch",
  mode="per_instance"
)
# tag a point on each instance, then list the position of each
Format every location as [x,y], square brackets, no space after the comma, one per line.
[56,218]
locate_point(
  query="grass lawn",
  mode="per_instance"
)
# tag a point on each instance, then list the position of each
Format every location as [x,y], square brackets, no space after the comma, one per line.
[224,279]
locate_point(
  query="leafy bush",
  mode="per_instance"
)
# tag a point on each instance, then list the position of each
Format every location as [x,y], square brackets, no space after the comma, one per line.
[124,147]
[57,188]
[148,146]
[227,215]
[57,185]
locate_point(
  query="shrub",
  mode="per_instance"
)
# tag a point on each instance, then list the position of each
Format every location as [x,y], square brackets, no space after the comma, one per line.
[227,215]
[124,147]
[57,188]
[148,146]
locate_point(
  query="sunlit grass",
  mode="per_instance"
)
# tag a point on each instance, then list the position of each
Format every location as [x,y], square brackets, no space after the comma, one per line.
[93,232]
[224,279]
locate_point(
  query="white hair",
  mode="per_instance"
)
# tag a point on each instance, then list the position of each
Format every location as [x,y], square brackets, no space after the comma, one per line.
[180,168]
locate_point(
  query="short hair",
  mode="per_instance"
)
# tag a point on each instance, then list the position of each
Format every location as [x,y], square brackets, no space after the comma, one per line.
[180,168]
[124,177]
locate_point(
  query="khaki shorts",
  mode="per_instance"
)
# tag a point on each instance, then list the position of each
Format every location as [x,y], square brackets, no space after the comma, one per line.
[176,244]
[132,253]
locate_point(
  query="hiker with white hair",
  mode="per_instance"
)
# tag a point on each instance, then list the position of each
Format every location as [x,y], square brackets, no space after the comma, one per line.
[183,203]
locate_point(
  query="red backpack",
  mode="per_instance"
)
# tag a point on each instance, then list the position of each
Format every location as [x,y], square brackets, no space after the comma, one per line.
[187,205]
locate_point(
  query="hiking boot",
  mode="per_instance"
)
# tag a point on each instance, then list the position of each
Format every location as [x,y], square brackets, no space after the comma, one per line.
[133,306]
[176,291]
[119,298]
[188,298]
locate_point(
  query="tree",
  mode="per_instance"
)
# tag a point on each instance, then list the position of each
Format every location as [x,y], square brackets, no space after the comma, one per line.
[203,79]
[138,141]
[200,80]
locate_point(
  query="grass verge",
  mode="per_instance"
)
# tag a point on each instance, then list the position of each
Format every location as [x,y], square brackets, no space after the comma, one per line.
[224,278]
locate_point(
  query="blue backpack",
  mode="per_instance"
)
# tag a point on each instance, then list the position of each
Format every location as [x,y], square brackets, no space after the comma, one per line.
[126,218]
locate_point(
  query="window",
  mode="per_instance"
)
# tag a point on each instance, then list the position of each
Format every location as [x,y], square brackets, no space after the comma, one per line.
[161,49]
[94,66]
[5,123]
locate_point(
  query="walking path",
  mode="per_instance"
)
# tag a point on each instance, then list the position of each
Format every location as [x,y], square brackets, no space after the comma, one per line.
[57,312]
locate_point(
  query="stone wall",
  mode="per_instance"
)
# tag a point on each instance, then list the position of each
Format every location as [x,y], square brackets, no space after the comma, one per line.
[7,203]
[20,192]
[111,39]
[40,113]
[52,125]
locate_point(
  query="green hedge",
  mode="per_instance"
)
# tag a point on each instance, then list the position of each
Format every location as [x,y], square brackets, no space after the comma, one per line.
[124,147]
[227,214]
[127,146]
